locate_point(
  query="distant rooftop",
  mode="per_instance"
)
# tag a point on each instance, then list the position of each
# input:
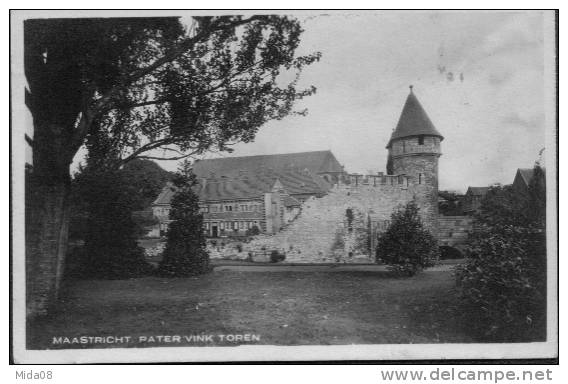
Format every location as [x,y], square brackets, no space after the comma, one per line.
[477,191]
[527,174]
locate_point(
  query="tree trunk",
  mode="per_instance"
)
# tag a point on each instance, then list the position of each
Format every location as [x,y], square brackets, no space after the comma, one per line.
[47,219]
[46,246]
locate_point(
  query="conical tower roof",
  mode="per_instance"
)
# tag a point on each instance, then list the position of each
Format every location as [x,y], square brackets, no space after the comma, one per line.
[413,121]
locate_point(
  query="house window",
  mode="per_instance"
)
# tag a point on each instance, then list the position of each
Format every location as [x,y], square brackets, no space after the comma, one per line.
[228,208]
[420,140]
[235,225]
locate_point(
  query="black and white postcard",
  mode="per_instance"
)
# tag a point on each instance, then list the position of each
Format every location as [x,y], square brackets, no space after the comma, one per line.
[203,186]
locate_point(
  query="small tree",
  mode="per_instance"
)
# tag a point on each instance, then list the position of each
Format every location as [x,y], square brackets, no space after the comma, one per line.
[185,253]
[406,246]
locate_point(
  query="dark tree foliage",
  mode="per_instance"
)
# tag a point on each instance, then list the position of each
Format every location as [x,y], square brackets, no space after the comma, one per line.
[154,89]
[143,180]
[151,85]
[111,250]
[106,199]
[185,253]
[451,204]
[147,179]
[406,246]
[503,283]
[253,231]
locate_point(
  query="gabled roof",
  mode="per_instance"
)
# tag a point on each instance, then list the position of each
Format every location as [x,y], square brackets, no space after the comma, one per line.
[248,187]
[413,121]
[477,191]
[316,162]
[248,177]
[251,186]
[526,174]
[289,201]
[165,196]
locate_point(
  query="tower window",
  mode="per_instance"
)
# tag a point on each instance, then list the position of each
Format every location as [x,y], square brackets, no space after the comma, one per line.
[420,140]
[420,178]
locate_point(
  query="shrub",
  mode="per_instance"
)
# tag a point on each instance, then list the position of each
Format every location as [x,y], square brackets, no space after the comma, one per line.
[253,231]
[111,250]
[406,246]
[449,253]
[276,256]
[185,253]
[503,282]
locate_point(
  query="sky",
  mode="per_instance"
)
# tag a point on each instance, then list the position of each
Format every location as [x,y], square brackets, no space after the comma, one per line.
[478,75]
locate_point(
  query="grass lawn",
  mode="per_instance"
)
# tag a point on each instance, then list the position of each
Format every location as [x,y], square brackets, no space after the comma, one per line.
[281,308]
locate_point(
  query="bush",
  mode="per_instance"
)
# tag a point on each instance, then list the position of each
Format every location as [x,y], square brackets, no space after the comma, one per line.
[406,246]
[253,231]
[447,253]
[503,282]
[111,250]
[276,256]
[185,253]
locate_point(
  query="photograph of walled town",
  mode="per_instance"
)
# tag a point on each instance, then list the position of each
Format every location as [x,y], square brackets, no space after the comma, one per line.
[302,179]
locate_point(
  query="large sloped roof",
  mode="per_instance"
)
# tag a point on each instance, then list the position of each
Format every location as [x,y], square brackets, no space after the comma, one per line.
[251,186]
[413,121]
[234,178]
[254,185]
[316,162]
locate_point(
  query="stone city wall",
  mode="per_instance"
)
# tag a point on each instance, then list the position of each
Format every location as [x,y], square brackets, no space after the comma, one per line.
[322,232]
[454,230]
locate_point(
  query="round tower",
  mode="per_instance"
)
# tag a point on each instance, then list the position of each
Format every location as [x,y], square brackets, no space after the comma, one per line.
[414,149]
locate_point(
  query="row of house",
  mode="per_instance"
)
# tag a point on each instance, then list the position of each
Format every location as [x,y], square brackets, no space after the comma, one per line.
[238,194]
